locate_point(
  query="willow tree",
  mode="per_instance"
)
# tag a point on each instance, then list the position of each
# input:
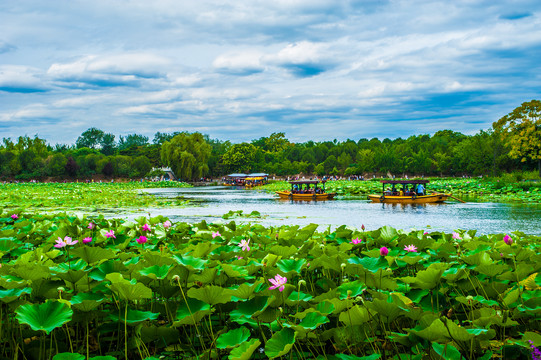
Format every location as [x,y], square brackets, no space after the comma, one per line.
[521,131]
[187,155]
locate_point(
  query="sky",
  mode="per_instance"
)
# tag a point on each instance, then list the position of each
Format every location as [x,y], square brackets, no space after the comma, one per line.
[239,70]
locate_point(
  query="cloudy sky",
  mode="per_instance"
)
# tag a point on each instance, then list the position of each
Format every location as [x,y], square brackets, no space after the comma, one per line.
[239,70]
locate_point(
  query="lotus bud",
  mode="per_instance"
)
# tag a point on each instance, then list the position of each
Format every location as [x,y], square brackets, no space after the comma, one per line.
[281,310]
[176,278]
[342,265]
[302,282]
[349,294]
[60,289]
[358,298]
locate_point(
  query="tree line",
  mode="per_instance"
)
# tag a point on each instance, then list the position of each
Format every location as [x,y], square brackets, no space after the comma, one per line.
[513,144]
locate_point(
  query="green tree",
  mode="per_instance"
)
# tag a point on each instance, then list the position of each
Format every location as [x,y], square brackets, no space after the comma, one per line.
[521,130]
[91,138]
[141,166]
[187,155]
[107,144]
[56,164]
[132,140]
[240,157]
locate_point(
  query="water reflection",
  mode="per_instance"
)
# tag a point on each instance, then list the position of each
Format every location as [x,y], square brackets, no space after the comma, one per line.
[210,203]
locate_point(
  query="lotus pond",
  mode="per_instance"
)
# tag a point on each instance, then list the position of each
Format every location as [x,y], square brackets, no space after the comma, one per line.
[471,188]
[78,287]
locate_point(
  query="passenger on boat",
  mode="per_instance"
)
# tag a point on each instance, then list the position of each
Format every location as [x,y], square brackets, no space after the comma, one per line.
[420,189]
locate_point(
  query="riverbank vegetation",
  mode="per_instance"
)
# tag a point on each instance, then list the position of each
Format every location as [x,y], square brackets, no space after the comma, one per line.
[504,189]
[87,197]
[513,145]
[75,287]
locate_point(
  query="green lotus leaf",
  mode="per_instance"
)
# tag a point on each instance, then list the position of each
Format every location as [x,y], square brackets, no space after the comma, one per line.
[372,264]
[533,337]
[354,288]
[191,313]
[7,244]
[163,334]
[299,296]
[447,351]
[356,315]
[93,254]
[87,301]
[234,271]
[251,307]
[410,259]
[191,263]
[105,357]
[232,338]
[388,234]
[387,309]
[440,332]
[280,343]
[73,265]
[133,316]
[68,356]
[128,290]
[244,291]
[313,320]
[47,316]
[156,272]
[291,265]
[11,282]
[245,350]
[353,357]
[108,267]
[10,295]
[210,294]
[31,272]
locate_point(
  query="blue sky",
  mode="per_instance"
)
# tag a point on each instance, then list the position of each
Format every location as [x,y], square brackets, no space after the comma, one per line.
[314,69]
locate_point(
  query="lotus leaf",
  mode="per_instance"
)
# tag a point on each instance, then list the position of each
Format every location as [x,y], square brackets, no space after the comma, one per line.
[210,294]
[351,289]
[47,316]
[156,272]
[356,315]
[68,356]
[447,351]
[191,313]
[313,320]
[93,254]
[232,338]
[245,350]
[128,290]
[191,263]
[133,316]
[353,357]
[280,343]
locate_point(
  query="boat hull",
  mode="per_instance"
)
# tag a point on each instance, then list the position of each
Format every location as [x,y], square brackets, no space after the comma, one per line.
[420,199]
[287,195]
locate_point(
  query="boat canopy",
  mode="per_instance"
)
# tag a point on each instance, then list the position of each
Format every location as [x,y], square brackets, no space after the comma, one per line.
[237,175]
[258,175]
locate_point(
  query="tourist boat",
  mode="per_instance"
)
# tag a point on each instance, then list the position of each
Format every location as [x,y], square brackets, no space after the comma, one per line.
[404,195]
[303,190]
[256,179]
[234,180]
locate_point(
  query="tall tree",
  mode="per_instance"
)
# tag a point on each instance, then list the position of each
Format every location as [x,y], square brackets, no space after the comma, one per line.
[91,138]
[521,129]
[187,155]
[240,157]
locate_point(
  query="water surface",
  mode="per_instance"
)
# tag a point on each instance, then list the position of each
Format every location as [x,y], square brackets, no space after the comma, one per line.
[210,203]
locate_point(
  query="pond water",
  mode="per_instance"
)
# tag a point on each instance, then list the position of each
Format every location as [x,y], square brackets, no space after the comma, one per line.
[212,202]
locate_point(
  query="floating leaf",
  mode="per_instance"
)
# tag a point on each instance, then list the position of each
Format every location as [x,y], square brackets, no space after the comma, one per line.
[46,317]
[133,316]
[69,356]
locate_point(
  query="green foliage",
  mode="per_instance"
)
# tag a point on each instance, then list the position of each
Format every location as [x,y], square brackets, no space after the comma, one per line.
[187,155]
[47,316]
[239,157]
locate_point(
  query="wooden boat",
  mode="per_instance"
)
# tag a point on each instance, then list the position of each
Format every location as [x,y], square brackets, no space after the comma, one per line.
[302,190]
[405,195]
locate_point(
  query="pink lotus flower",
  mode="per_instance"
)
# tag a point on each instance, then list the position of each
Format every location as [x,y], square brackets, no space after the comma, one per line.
[146,227]
[110,234]
[142,239]
[278,282]
[410,248]
[87,240]
[91,226]
[14,216]
[383,251]
[60,243]
[239,257]
[456,236]
[507,239]
[167,224]
[362,227]
[356,241]
[216,234]
[245,245]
